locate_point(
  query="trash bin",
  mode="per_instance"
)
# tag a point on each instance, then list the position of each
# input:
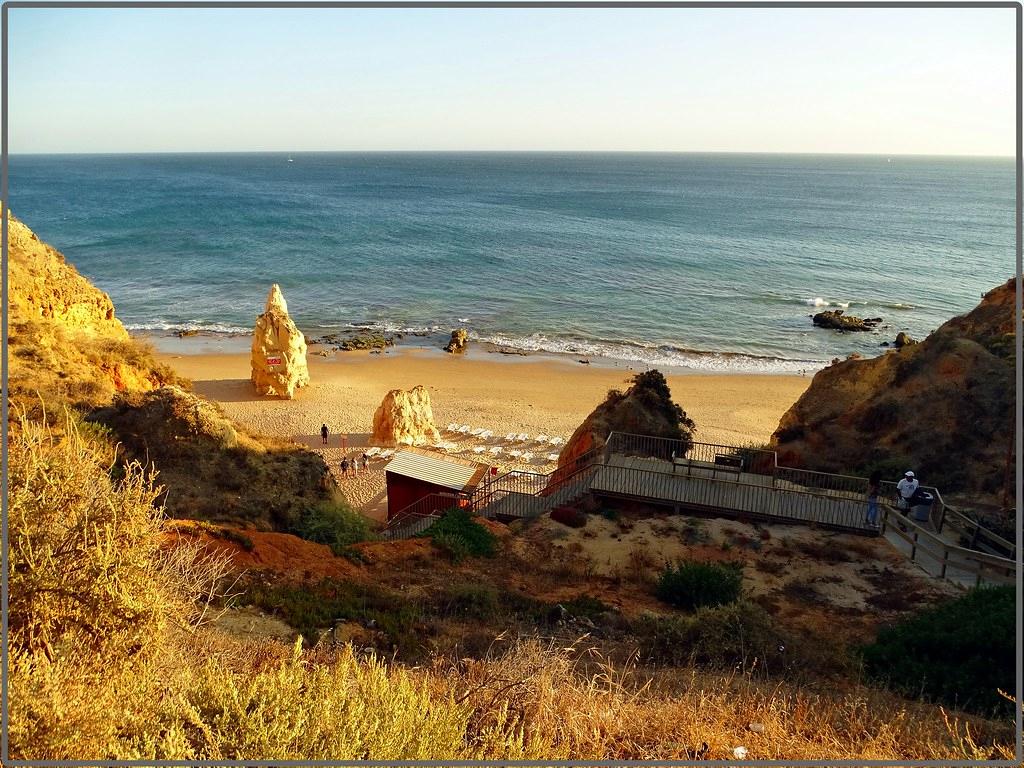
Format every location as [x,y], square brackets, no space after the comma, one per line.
[921,506]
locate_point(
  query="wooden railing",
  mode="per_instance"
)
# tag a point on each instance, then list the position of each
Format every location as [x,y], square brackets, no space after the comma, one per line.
[764,462]
[946,558]
[410,520]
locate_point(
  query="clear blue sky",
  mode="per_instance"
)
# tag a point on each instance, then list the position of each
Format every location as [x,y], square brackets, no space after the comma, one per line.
[929,81]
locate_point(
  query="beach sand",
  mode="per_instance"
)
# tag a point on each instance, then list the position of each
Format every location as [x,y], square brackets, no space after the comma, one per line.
[533,395]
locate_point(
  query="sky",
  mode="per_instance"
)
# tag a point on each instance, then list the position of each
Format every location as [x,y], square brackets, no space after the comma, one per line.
[878,81]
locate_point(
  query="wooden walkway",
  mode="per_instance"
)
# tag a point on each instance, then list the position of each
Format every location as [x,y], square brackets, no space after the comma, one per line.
[719,491]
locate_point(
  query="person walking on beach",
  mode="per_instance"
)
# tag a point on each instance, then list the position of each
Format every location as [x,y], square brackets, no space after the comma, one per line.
[324,433]
[344,466]
[354,464]
[907,487]
[366,462]
[874,483]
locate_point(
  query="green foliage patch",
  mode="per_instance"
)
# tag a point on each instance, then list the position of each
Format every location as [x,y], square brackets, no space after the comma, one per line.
[690,585]
[958,653]
[458,534]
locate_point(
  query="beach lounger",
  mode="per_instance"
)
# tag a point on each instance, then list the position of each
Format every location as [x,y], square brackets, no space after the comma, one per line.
[522,437]
[387,454]
[556,440]
[486,434]
[541,438]
[552,457]
[453,427]
[527,456]
[478,449]
[495,451]
[510,437]
[476,432]
[515,454]
[372,451]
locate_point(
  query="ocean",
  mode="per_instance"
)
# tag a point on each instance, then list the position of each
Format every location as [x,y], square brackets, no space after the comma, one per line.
[708,262]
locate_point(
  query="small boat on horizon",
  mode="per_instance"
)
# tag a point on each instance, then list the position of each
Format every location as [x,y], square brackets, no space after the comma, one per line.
[290,159]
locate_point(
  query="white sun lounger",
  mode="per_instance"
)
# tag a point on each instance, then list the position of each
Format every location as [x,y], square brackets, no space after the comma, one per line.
[372,451]
[478,449]
[510,437]
[495,451]
[552,457]
[386,454]
[522,437]
[556,440]
[541,438]
[476,432]
[527,456]
[486,434]
[515,454]
[453,427]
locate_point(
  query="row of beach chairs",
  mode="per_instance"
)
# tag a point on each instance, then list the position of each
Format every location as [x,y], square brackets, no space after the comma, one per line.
[380,453]
[511,438]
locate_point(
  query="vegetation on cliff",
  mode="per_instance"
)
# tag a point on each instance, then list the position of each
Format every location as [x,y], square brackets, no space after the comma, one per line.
[943,407]
[646,408]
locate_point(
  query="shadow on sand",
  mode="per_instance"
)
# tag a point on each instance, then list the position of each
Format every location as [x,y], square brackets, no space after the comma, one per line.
[228,391]
[355,441]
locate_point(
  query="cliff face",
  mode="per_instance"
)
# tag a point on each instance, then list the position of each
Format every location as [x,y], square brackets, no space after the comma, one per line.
[943,407]
[646,408]
[43,286]
[64,342]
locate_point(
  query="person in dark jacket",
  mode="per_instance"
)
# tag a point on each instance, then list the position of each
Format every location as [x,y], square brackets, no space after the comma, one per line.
[874,485]
[324,433]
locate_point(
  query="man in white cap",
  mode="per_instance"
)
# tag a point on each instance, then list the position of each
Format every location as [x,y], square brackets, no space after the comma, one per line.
[907,487]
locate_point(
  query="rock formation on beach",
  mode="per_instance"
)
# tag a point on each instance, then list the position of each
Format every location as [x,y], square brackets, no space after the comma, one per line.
[278,350]
[646,408]
[458,342]
[834,318]
[405,418]
[942,407]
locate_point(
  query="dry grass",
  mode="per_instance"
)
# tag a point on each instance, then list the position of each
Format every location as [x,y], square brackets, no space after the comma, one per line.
[109,661]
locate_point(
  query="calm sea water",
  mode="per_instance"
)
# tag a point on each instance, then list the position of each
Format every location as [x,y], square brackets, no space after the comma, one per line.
[705,261]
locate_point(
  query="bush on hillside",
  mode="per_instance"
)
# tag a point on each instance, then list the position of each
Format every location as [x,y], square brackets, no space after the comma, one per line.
[334,523]
[690,585]
[458,534]
[959,653]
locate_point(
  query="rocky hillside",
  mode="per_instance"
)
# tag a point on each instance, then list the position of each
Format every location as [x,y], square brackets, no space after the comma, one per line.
[943,407]
[68,349]
[65,343]
[646,408]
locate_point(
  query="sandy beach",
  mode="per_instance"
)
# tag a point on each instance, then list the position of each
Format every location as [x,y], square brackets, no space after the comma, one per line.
[533,395]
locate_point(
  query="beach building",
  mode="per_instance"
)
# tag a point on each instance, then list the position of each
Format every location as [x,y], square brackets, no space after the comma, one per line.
[414,473]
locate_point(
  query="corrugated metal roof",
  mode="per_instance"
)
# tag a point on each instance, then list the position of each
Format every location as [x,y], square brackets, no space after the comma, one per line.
[433,469]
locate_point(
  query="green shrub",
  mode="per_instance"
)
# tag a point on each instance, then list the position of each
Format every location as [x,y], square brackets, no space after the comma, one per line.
[334,523]
[721,636]
[958,653]
[690,585]
[458,534]
[472,600]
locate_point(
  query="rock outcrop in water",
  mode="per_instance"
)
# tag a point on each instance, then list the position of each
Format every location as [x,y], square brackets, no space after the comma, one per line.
[834,318]
[458,342]
[278,350]
[646,408]
[942,407]
[405,418]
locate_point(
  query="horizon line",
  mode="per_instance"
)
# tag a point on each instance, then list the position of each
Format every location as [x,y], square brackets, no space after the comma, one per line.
[507,151]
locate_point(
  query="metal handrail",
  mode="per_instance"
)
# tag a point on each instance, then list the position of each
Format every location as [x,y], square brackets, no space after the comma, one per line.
[971,560]
[853,483]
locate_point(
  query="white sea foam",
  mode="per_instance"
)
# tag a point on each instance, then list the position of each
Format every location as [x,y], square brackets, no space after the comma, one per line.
[161,325]
[650,355]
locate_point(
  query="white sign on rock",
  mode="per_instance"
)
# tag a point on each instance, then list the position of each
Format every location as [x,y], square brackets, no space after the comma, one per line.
[278,357]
